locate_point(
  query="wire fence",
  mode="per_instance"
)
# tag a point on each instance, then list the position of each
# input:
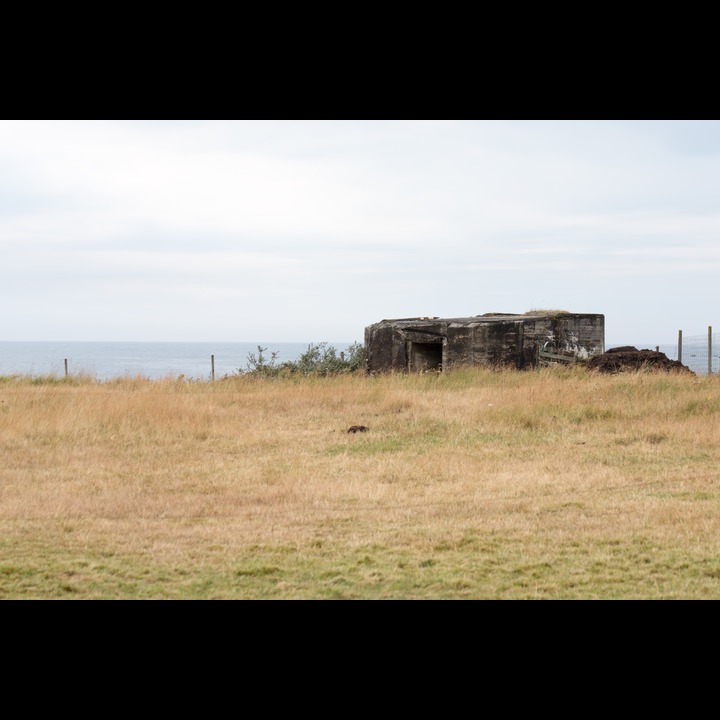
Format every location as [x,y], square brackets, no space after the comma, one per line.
[700,353]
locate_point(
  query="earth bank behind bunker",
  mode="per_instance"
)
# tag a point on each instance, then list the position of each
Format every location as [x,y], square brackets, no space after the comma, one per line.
[629,358]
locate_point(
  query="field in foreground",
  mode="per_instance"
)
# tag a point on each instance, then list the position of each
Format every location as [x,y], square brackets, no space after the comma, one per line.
[471,484]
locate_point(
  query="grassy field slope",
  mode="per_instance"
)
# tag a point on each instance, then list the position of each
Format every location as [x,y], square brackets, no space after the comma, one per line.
[470,484]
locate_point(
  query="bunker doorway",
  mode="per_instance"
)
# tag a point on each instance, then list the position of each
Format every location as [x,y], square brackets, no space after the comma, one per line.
[425,356]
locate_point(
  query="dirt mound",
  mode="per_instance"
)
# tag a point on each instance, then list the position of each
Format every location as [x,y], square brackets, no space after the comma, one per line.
[629,358]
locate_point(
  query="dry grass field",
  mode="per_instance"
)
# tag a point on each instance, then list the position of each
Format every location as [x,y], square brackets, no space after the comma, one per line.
[557,484]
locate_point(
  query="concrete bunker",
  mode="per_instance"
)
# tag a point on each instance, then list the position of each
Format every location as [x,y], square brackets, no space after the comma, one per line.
[529,340]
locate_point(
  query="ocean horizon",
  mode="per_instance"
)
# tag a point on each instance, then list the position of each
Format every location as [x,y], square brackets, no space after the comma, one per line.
[192,360]
[153,360]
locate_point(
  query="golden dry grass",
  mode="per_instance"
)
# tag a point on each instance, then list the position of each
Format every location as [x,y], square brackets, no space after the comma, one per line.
[470,484]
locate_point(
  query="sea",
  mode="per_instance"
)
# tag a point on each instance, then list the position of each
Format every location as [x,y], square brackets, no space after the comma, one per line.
[152,360]
[192,360]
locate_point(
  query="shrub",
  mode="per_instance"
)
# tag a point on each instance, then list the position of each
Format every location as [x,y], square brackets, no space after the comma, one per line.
[259,364]
[324,359]
[318,359]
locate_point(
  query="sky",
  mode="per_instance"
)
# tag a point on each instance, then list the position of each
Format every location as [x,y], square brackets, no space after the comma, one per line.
[308,231]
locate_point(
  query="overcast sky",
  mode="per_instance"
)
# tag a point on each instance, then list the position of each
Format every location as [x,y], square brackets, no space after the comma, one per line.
[307,231]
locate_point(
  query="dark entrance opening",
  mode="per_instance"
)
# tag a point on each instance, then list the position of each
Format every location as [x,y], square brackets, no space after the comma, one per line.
[425,356]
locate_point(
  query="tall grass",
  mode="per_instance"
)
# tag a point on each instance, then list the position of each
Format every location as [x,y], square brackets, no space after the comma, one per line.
[469,484]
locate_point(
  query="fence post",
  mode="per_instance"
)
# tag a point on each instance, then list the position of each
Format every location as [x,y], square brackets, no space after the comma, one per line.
[66,369]
[212,366]
[679,346]
[709,349]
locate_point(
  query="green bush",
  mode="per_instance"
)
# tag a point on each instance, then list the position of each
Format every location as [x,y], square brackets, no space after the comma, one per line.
[259,364]
[318,359]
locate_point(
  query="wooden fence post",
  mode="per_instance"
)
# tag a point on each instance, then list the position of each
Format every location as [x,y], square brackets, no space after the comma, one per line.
[66,368]
[709,349]
[679,346]
[212,366]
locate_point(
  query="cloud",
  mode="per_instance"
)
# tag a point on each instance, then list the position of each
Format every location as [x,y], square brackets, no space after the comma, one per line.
[327,226]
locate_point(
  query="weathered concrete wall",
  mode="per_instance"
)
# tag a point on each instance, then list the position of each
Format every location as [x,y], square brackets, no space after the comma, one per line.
[583,333]
[417,344]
